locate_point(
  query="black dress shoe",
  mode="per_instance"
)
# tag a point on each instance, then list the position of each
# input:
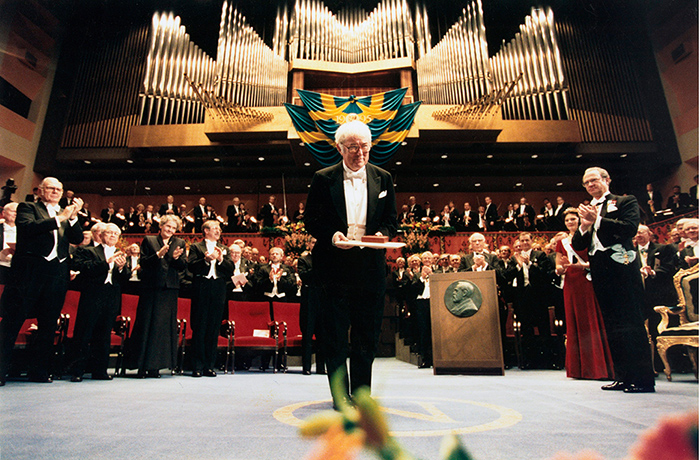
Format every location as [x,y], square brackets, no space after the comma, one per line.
[634,388]
[2,382]
[141,375]
[76,378]
[209,373]
[306,372]
[40,379]
[615,386]
[101,377]
[196,373]
[153,374]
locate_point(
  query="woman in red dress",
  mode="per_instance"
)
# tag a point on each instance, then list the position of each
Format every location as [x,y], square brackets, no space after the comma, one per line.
[587,352]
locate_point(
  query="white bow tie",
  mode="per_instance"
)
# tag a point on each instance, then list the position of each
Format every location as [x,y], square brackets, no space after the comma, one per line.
[361,175]
[56,208]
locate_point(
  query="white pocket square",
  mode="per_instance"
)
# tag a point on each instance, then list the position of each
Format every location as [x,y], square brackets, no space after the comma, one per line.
[383,194]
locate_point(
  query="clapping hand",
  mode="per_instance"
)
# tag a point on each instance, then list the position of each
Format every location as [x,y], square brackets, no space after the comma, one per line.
[177,252]
[588,216]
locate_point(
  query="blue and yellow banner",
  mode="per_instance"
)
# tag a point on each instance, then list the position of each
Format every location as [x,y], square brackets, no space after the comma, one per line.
[321,114]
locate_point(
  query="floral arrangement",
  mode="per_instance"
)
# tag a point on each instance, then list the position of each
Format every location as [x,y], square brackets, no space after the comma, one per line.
[415,242]
[296,243]
[343,433]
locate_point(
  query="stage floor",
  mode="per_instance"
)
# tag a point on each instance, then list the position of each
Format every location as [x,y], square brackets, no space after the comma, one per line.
[252,415]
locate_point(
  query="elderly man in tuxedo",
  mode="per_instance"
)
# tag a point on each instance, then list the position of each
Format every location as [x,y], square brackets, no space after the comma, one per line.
[347,201]
[103,271]
[607,228]
[211,265]
[39,275]
[478,246]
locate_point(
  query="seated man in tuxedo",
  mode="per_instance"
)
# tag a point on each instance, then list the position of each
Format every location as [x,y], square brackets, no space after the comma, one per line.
[347,201]
[39,276]
[103,272]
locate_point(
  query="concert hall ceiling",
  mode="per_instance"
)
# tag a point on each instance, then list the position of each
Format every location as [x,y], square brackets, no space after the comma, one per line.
[609,110]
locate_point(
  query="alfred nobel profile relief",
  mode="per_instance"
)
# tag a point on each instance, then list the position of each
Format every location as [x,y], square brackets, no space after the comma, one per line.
[463,298]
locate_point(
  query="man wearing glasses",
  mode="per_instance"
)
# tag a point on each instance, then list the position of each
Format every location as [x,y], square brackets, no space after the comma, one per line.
[39,275]
[347,201]
[607,227]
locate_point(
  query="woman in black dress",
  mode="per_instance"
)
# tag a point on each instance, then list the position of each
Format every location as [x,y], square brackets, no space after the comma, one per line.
[153,344]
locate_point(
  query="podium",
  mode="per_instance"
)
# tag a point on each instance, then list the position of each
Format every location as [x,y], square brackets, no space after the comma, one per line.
[465,324]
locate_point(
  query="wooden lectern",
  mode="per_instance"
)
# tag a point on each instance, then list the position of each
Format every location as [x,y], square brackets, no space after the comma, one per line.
[465,323]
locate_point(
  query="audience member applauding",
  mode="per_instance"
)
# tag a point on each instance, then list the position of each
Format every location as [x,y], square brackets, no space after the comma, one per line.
[103,273]
[153,343]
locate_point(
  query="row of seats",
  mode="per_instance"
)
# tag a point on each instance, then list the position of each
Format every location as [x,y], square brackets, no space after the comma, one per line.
[256,328]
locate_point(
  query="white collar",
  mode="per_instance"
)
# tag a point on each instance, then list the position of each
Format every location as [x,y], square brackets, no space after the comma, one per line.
[349,174]
[599,200]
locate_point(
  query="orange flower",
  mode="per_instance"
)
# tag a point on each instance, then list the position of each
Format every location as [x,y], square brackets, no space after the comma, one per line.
[337,444]
[674,437]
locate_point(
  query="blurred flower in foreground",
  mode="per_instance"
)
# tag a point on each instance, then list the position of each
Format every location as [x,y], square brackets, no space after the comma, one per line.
[352,426]
[674,437]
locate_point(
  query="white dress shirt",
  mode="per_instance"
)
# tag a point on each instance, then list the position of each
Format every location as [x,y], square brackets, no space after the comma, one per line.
[356,198]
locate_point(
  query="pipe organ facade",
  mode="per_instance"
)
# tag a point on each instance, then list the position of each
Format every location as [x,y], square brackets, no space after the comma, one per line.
[538,75]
